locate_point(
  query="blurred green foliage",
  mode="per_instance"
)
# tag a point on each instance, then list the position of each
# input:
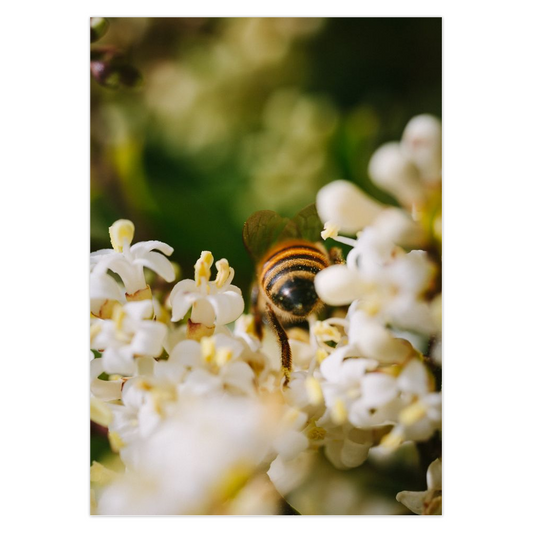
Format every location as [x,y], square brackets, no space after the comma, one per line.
[238,115]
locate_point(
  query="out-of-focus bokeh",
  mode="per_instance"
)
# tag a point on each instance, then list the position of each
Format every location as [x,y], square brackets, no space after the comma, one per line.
[237,115]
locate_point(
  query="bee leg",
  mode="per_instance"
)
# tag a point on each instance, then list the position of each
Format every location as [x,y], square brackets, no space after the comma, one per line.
[286,356]
[335,256]
[256,311]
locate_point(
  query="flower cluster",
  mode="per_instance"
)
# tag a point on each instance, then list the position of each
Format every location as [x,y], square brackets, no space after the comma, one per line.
[196,405]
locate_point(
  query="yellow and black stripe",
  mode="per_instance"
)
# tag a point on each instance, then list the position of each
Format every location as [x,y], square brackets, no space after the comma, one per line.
[287,276]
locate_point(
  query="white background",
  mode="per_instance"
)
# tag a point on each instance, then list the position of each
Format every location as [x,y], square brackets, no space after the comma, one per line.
[44,210]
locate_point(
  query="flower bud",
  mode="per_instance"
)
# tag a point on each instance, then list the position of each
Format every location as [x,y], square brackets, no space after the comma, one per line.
[391,170]
[422,144]
[343,204]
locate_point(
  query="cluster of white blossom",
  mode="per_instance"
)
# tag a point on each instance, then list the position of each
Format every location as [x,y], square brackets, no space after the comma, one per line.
[196,408]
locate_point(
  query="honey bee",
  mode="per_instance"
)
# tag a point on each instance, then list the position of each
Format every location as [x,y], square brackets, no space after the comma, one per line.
[288,256]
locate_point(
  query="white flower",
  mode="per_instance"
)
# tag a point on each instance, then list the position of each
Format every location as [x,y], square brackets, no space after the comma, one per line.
[341,384]
[428,502]
[396,225]
[128,262]
[193,459]
[104,291]
[102,389]
[387,282]
[422,414]
[347,447]
[345,205]
[146,401]
[340,285]
[376,341]
[410,168]
[213,303]
[215,365]
[394,172]
[417,410]
[289,441]
[422,143]
[130,333]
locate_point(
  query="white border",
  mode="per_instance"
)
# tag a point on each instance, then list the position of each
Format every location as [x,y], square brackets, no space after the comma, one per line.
[487,282]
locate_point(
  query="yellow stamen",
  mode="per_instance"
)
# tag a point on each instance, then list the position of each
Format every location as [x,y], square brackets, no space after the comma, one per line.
[391,440]
[314,391]
[207,345]
[412,414]
[202,268]
[222,356]
[122,230]
[316,433]
[223,272]
[339,414]
[326,332]
[331,230]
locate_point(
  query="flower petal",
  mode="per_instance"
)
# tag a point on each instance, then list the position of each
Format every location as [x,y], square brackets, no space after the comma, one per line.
[228,305]
[141,248]
[422,143]
[238,375]
[391,170]
[103,287]
[107,390]
[148,339]
[182,296]
[159,264]
[119,361]
[414,501]
[414,378]
[375,341]
[339,285]
[140,310]
[378,389]
[290,444]
[355,448]
[344,204]
[434,475]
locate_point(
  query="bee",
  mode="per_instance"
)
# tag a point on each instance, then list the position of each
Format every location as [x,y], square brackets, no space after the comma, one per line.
[288,256]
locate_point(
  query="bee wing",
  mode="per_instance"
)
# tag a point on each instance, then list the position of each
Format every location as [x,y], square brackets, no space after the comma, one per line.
[305,225]
[264,228]
[261,230]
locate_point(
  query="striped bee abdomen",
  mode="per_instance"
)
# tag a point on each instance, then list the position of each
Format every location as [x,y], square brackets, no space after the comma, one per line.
[287,276]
